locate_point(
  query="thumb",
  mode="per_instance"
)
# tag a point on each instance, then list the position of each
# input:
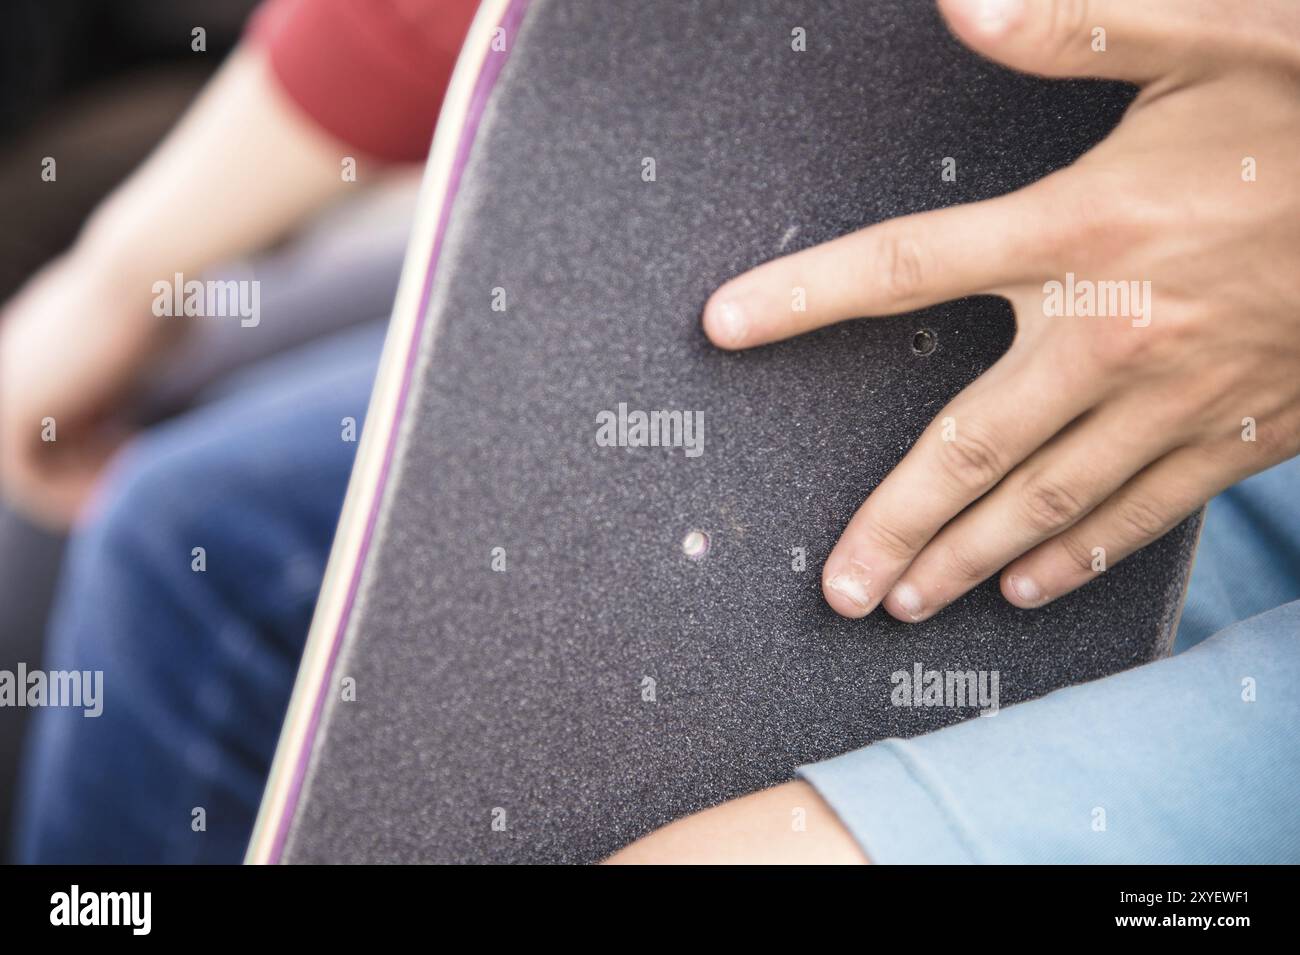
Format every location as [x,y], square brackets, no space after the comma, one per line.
[1135,40]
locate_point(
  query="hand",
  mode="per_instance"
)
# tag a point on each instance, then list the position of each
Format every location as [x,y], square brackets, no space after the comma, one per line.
[788,824]
[1092,436]
[71,345]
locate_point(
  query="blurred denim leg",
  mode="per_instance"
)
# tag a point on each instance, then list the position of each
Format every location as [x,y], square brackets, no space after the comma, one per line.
[198,665]
[29,566]
[336,273]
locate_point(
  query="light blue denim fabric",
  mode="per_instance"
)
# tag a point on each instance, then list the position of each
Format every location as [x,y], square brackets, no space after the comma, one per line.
[1192,759]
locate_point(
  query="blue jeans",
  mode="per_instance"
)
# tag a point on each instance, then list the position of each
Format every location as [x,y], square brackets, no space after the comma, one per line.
[198,667]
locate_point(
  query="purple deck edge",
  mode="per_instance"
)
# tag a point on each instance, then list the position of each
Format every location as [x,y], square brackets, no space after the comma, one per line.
[483,88]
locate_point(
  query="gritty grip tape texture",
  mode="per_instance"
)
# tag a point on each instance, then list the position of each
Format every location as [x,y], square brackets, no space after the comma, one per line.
[518,697]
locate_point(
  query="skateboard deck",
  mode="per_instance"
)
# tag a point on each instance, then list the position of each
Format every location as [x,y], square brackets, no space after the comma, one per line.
[542,634]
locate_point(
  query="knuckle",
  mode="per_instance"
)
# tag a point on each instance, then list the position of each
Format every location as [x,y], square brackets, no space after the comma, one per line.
[965,563]
[892,540]
[1138,338]
[1090,229]
[1077,552]
[1049,506]
[972,460]
[1085,232]
[1109,230]
[1122,349]
[903,265]
[1140,519]
[1127,349]
[1067,29]
[1274,440]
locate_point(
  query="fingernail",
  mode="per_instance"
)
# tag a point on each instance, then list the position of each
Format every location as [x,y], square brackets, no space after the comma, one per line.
[854,587]
[909,600]
[1026,590]
[727,324]
[994,16]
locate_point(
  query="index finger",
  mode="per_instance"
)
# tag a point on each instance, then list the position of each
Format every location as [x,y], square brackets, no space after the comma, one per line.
[897,266]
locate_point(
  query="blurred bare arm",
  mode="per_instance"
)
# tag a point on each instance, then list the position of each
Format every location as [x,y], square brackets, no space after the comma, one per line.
[242,168]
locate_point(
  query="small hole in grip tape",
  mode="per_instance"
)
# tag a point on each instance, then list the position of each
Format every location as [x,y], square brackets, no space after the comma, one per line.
[924,341]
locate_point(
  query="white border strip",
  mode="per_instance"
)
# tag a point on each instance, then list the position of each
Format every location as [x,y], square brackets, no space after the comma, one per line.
[363,486]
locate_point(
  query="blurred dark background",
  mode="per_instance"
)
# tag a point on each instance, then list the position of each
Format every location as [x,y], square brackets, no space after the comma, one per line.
[96,83]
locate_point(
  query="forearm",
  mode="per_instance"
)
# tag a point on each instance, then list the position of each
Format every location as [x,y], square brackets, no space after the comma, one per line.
[788,824]
[241,168]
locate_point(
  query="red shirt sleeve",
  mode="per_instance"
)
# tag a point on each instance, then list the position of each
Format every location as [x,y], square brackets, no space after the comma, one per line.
[372,73]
